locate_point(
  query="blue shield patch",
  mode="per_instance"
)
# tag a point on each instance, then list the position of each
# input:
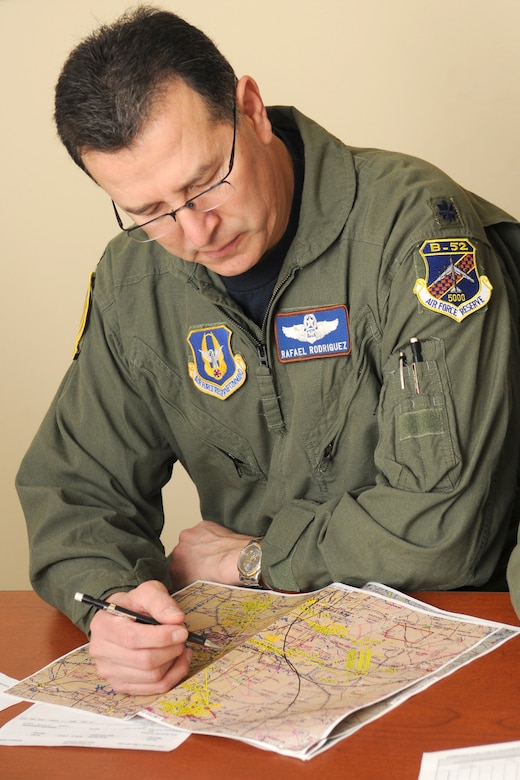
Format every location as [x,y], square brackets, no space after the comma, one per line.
[452,285]
[215,370]
[312,333]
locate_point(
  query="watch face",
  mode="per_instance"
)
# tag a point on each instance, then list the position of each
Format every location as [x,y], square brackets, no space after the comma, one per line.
[250,559]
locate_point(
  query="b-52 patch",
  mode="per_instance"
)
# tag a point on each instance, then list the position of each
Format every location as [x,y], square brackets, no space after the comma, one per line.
[452,285]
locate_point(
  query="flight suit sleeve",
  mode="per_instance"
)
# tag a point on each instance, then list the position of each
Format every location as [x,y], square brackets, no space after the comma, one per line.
[446,460]
[90,483]
[513,578]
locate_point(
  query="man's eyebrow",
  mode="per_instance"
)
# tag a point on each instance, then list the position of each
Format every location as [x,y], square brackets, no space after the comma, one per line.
[142,210]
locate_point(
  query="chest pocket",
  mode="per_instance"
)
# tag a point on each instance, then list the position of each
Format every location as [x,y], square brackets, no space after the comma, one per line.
[418,448]
[208,447]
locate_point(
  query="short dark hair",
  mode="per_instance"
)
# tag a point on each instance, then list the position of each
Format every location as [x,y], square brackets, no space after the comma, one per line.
[112,79]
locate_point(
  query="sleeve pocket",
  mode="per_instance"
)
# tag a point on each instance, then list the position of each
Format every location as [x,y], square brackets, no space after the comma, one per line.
[418,448]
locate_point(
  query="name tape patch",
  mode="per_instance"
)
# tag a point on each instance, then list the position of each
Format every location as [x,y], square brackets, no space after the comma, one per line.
[312,333]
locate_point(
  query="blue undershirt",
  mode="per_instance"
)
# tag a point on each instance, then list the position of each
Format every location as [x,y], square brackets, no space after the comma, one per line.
[253,289]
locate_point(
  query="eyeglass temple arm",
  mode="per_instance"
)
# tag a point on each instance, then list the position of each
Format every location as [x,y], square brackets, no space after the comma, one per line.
[119,222]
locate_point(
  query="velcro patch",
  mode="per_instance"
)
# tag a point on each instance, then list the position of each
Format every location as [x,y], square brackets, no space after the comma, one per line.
[312,333]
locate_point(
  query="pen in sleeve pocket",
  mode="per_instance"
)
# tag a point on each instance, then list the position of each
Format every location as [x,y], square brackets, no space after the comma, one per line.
[415,345]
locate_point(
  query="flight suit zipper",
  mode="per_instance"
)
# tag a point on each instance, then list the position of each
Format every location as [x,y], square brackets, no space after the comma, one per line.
[270,398]
[260,346]
[326,457]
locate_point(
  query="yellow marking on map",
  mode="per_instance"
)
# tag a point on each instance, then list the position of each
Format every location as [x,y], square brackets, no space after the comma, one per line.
[242,615]
[358,661]
[196,703]
[267,646]
[331,629]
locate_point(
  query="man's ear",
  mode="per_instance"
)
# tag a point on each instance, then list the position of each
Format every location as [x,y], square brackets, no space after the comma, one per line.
[252,108]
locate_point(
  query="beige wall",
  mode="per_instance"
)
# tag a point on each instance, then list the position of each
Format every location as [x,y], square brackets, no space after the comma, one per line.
[440,80]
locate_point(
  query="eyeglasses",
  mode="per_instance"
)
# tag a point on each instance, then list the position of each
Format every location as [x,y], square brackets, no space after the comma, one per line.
[205,201]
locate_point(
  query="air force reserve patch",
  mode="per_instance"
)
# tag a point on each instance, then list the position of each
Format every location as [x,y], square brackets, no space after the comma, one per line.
[312,333]
[453,285]
[215,370]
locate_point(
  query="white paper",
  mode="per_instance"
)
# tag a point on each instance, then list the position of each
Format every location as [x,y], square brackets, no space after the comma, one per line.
[500,761]
[47,724]
[5,699]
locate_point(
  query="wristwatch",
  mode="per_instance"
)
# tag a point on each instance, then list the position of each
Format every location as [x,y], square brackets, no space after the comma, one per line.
[250,563]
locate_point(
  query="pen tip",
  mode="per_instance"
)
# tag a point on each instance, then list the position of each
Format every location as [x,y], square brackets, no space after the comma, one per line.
[79,596]
[211,645]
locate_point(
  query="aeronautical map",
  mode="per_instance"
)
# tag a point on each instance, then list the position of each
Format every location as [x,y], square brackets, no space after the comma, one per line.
[294,672]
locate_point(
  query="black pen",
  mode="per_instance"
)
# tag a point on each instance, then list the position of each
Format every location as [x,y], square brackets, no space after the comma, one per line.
[115,609]
[416,350]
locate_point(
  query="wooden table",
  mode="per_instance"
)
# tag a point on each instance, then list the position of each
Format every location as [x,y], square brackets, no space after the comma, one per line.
[479,704]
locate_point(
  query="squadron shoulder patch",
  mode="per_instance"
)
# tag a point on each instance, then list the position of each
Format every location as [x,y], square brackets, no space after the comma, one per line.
[215,369]
[313,333]
[452,285]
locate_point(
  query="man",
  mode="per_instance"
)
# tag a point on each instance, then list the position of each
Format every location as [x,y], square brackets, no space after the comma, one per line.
[325,337]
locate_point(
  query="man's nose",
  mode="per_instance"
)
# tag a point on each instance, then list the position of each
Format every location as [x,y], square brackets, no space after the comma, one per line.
[198,226]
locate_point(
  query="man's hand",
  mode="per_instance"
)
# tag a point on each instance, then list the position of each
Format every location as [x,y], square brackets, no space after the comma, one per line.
[208,551]
[137,658]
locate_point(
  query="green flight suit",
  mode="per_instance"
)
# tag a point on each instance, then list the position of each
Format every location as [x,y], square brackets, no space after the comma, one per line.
[309,431]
